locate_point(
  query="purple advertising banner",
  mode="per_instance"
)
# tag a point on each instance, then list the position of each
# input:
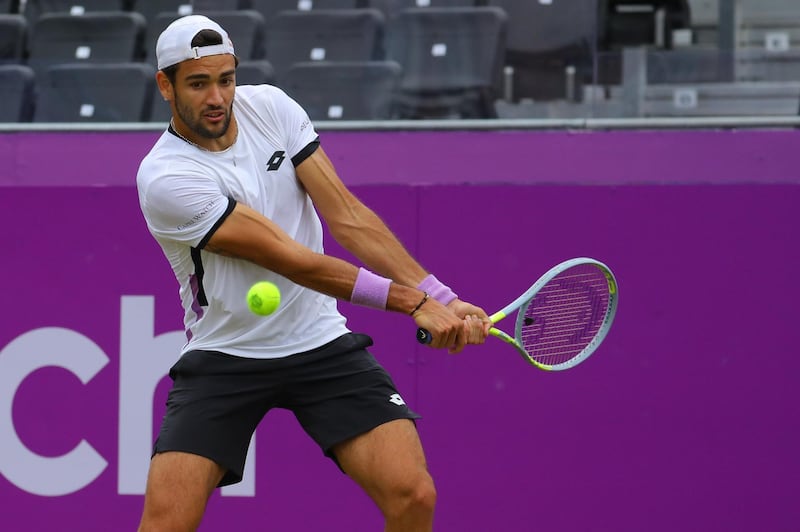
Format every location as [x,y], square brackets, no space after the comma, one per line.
[686,418]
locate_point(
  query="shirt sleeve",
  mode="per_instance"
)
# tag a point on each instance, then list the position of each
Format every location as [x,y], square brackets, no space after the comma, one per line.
[301,138]
[185,208]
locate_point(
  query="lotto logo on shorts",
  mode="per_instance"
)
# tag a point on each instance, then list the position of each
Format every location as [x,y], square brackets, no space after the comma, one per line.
[396,399]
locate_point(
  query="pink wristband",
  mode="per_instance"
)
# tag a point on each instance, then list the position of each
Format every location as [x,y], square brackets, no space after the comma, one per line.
[370,290]
[437,290]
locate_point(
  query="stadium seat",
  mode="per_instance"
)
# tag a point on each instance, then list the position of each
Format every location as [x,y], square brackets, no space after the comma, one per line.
[391,8]
[549,49]
[159,109]
[255,72]
[323,35]
[270,8]
[405,4]
[245,27]
[91,38]
[119,92]
[451,60]
[352,90]
[149,9]
[16,93]
[220,5]
[13,38]
[33,9]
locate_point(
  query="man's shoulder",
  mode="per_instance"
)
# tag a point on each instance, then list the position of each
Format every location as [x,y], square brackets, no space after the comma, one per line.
[257,92]
[163,148]
[166,157]
[261,96]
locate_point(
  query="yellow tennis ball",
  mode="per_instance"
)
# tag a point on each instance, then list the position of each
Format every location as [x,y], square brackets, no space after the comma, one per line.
[263,298]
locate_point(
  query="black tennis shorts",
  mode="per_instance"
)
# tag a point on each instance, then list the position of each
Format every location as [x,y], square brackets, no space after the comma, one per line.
[337,391]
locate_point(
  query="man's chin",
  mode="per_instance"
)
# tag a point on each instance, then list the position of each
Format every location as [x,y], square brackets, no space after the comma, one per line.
[213,130]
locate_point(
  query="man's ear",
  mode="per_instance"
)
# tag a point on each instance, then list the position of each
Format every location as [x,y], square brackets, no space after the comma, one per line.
[164,86]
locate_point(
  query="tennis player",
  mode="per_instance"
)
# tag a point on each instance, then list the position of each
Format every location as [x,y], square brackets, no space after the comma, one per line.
[232,191]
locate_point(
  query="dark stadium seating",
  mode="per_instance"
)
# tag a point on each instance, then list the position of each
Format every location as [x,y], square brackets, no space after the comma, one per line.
[270,8]
[159,109]
[549,47]
[557,53]
[149,9]
[361,90]
[255,72]
[391,8]
[323,35]
[13,38]
[16,93]
[119,92]
[451,60]
[33,9]
[220,5]
[90,38]
[397,5]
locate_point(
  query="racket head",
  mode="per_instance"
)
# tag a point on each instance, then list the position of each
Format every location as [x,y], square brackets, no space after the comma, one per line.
[566,314]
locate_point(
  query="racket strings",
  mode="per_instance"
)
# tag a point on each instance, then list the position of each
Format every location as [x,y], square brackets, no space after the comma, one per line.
[566,315]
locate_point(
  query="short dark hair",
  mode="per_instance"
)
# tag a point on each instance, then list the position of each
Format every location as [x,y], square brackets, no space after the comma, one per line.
[203,38]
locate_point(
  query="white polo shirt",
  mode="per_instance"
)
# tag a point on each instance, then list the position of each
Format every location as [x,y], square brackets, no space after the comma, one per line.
[185,193]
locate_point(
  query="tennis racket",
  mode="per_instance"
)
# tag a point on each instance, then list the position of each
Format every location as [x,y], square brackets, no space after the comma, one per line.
[562,318]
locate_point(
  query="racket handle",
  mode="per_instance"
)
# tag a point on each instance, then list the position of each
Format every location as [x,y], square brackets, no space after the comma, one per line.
[423,336]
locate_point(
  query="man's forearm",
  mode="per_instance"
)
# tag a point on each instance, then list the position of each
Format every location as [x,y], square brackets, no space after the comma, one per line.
[376,246]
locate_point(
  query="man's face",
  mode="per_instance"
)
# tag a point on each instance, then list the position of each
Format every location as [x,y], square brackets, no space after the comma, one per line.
[203,94]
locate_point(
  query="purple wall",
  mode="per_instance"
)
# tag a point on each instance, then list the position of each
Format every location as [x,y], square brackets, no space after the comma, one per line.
[685,419]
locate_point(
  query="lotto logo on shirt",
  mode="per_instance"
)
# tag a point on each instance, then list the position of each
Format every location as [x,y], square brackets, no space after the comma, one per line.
[275,161]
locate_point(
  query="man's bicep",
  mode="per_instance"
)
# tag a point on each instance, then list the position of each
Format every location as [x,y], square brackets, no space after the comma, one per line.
[331,197]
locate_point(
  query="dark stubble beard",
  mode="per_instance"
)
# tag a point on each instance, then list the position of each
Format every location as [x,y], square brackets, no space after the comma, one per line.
[193,123]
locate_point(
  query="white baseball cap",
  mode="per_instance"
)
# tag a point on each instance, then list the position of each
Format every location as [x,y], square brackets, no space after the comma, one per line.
[174,45]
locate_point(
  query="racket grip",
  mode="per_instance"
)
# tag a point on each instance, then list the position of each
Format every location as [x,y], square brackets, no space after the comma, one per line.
[423,336]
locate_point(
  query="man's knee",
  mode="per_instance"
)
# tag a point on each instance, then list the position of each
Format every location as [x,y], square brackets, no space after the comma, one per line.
[414,498]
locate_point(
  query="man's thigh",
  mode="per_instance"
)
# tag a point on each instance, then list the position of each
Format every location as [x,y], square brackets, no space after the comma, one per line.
[386,458]
[178,487]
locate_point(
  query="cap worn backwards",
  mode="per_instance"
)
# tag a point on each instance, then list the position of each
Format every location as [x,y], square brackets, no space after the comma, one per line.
[174,45]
